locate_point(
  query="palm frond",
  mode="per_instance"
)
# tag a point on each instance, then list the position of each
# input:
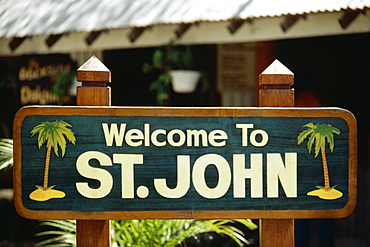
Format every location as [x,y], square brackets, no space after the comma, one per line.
[173,232]
[302,136]
[328,132]
[169,233]
[318,135]
[65,225]
[311,141]
[54,133]
[6,153]
[59,233]
[319,141]
[330,139]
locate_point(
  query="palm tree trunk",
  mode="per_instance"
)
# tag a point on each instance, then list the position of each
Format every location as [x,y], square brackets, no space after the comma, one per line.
[47,166]
[325,168]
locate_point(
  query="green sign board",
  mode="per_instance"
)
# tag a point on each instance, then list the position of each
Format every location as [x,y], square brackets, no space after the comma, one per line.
[126,163]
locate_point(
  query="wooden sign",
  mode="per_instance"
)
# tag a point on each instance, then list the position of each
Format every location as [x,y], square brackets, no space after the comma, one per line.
[143,163]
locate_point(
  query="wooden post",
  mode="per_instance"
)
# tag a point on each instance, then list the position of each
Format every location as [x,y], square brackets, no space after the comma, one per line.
[94,92]
[276,81]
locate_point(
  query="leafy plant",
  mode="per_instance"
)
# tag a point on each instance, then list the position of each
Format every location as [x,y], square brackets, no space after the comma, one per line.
[169,57]
[147,232]
[6,153]
[58,233]
[171,233]
[63,83]
[165,59]
[6,78]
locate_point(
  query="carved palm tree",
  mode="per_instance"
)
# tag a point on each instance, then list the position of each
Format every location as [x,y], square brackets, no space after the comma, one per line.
[318,136]
[54,134]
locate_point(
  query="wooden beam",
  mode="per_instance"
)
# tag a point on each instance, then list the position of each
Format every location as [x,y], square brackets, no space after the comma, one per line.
[276,232]
[276,81]
[181,29]
[94,76]
[234,25]
[16,42]
[91,37]
[52,39]
[93,233]
[135,33]
[348,17]
[289,21]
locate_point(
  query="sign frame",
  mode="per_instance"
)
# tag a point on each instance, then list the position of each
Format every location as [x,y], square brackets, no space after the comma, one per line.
[187,112]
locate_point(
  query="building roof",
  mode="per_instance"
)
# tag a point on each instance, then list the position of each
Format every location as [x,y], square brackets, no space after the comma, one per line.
[21,18]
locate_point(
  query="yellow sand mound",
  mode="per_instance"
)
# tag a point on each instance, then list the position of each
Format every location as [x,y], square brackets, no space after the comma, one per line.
[326,194]
[46,194]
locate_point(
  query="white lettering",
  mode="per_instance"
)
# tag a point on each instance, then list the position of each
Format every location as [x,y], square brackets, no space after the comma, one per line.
[244,128]
[175,137]
[254,173]
[263,141]
[183,180]
[197,134]
[224,176]
[217,135]
[132,135]
[127,162]
[254,133]
[287,174]
[113,133]
[147,134]
[180,134]
[155,140]
[87,171]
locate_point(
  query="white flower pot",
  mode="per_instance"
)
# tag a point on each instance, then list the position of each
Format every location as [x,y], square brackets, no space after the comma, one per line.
[184,81]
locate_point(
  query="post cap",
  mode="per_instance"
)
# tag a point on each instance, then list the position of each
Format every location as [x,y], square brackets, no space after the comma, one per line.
[93,70]
[276,74]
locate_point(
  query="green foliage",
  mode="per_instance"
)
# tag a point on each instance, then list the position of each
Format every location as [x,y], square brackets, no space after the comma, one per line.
[164,59]
[322,187]
[318,135]
[63,83]
[171,233]
[7,82]
[6,153]
[146,233]
[162,87]
[171,57]
[180,57]
[53,133]
[59,233]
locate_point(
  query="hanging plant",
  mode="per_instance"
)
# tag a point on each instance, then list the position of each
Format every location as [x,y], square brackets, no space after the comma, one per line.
[165,61]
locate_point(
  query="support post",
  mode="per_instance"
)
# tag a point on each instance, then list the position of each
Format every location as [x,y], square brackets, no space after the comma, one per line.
[276,92]
[94,76]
